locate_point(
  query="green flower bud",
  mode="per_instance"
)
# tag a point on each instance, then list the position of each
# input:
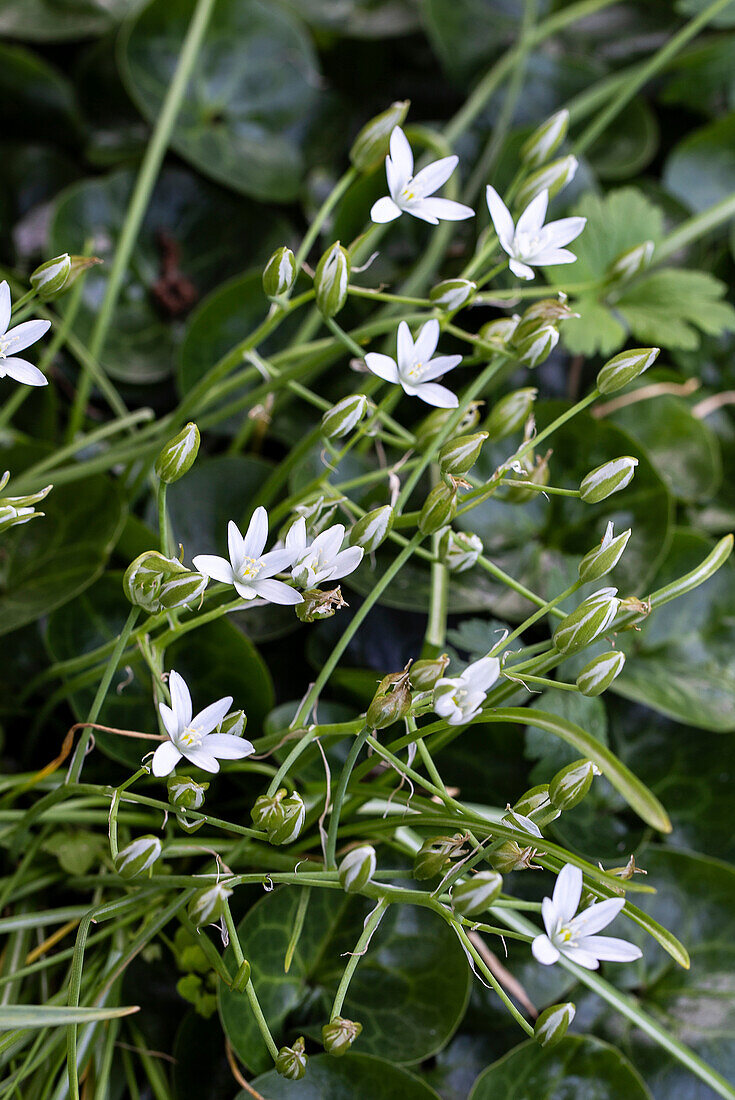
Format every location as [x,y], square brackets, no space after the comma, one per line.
[242,977]
[535,472]
[603,481]
[599,673]
[537,798]
[510,413]
[551,1026]
[588,621]
[552,178]
[601,559]
[291,1061]
[373,529]
[331,280]
[51,277]
[339,1035]
[509,856]
[372,143]
[452,294]
[440,508]
[138,856]
[279,274]
[632,261]
[435,856]
[625,368]
[344,416]
[288,820]
[477,893]
[537,346]
[460,454]
[233,723]
[266,812]
[545,309]
[318,604]
[436,421]
[208,905]
[571,784]
[498,333]
[156,583]
[15,511]
[178,455]
[459,550]
[424,674]
[391,702]
[357,868]
[545,140]
[185,792]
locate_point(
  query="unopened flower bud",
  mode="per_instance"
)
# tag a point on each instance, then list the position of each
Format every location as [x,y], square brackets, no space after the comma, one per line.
[373,529]
[545,309]
[599,673]
[545,139]
[318,604]
[357,868]
[185,792]
[625,368]
[373,141]
[435,856]
[587,622]
[266,812]
[452,294]
[552,178]
[603,481]
[138,856]
[339,1035]
[344,416]
[510,413]
[632,261]
[537,346]
[551,1026]
[331,280]
[477,893]
[391,702]
[435,422]
[533,800]
[51,277]
[459,550]
[499,333]
[440,508]
[157,583]
[208,905]
[233,723]
[601,559]
[291,1061]
[291,820]
[178,455]
[15,511]
[279,274]
[460,454]
[425,673]
[535,472]
[570,785]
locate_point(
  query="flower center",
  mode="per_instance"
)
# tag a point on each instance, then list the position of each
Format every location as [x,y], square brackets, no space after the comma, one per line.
[414,372]
[191,738]
[249,568]
[6,345]
[526,244]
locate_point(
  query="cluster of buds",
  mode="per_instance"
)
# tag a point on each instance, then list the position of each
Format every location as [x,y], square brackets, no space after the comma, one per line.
[331,280]
[536,335]
[318,604]
[17,510]
[55,277]
[157,583]
[138,857]
[391,702]
[435,855]
[280,815]
[186,794]
[178,455]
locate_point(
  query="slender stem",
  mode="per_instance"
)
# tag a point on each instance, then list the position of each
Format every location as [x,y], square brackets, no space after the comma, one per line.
[250,993]
[323,213]
[163,532]
[339,795]
[360,949]
[487,972]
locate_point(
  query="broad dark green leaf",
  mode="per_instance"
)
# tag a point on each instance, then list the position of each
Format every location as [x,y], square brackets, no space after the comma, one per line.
[357,1076]
[700,170]
[627,146]
[38,100]
[55,20]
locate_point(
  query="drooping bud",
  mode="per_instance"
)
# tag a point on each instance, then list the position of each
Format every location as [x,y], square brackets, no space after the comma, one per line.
[552,178]
[459,550]
[138,856]
[551,1026]
[436,421]
[208,905]
[599,673]
[344,416]
[587,622]
[318,604]
[477,893]
[499,333]
[601,559]
[570,785]
[373,529]
[625,368]
[51,277]
[179,455]
[425,673]
[372,143]
[436,854]
[279,274]
[537,346]
[357,868]
[452,294]
[291,1061]
[157,583]
[440,508]
[545,139]
[391,702]
[510,413]
[459,455]
[535,472]
[632,261]
[611,477]
[331,280]
[339,1035]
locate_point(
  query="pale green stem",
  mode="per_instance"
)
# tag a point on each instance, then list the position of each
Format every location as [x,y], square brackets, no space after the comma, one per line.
[250,993]
[360,949]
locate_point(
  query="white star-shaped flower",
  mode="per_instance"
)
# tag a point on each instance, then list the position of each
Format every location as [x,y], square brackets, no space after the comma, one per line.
[530,243]
[459,699]
[414,368]
[573,936]
[193,737]
[320,559]
[413,194]
[249,569]
[18,339]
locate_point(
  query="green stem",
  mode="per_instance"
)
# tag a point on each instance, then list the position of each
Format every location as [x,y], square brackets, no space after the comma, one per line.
[163,532]
[487,972]
[323,213]
[360,949]
[250,993]
[339,796]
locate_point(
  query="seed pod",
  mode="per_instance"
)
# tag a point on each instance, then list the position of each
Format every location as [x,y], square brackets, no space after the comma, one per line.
[425,673]
[291,1061]
[344,416]
[357,868]
[339,1035]
[510,413]
[571,784]
[279,274]
[51,277]
[208,905]
[318,604]
[545,139]
[603,481]
[545,309]
[509,856]
[551,1026]
[178,455]
[625,368]
[537,346]
[391,702]
[440,508]
[459,455]
[536,473]
[459,550]
[373,529]
[435,856]
[599,673]
[373,141]
[601,559]
[435,422]
[477,893]
[452,294]
[552,178]
[499,333]
[331,280]
[632,261]
[293,815]
[587,622]
[138,856]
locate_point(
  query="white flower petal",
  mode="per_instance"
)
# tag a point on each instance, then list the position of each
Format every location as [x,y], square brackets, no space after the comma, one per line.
[400,153]
[382,365]
[555,256]
[22,371]
[438,396]
[25,334]
[5,307]
[597,916]
[200,758]
[384,210]
[257,533]
[296,536]
[582,958]
[544,950]
[567,892]
[482,674]
[169,720]
[433,176]
[521,271]
[209,718]
[180,698]
[426,341]
[549,915]
[405,353]
[396,181]
[227,747]
[165,759]
[245,590]
[565,230]
[235,545]
[277,592]
[418,209]
[218,569]
[346,562]
[502,219]
[533,216]
[445,210]
[442,364]
[610,949]
[275,561]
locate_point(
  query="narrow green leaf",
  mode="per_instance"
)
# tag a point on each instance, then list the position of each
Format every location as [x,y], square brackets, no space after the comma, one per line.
[58,1015]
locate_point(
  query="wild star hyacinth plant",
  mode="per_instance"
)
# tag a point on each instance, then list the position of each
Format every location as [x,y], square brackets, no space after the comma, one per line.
[346,812]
